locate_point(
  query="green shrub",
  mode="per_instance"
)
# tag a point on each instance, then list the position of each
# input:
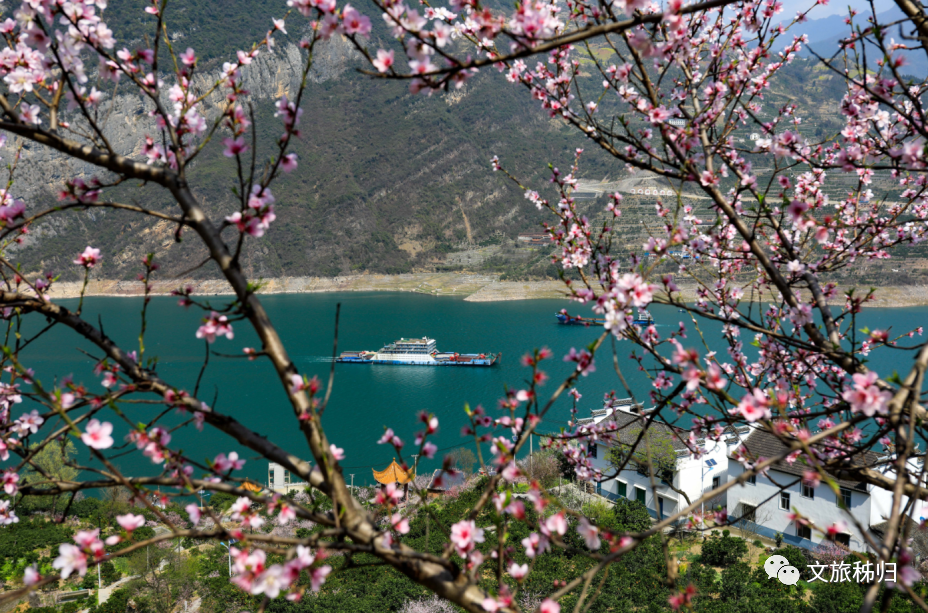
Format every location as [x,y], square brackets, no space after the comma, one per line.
[118,602]
[139,534]
[108,575]
[599,511]
[86,508]
[723,551]
[735,581]
[89,582]
[221,501]
[757,543]
[22,538]
[74,606]
[122,565]
[630,516]
[703,577]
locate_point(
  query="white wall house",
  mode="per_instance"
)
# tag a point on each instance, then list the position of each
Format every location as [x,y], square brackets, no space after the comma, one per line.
[881,508]
[766,501]
[689,475]
[281,481]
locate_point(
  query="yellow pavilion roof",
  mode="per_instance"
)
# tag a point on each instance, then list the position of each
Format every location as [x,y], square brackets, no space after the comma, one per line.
[251,487]
[393,473]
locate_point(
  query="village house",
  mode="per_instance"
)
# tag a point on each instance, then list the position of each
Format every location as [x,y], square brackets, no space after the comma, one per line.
[764,503]
[678,474]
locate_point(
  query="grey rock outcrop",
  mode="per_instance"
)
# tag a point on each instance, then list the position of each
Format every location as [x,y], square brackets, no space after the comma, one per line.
[126,118]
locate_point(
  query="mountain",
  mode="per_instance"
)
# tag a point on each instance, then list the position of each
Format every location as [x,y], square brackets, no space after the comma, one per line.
[826,34]
[387,182]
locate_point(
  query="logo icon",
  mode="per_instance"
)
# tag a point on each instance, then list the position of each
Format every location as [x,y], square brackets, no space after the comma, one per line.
[788,575]
[773,565]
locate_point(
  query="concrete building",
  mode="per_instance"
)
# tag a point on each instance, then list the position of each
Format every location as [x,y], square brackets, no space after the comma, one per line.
[281,481]
[762,505]
[766,501]
[677,472]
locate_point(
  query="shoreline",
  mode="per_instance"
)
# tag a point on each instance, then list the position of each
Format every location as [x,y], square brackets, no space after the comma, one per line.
[471,287]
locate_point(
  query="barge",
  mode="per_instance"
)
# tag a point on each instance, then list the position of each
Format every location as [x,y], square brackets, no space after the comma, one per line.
[642,318]
[576,320]
[417,352]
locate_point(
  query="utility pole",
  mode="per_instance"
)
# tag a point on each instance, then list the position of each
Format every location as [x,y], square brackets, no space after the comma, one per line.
[352,482]
[231,541]
[415,459]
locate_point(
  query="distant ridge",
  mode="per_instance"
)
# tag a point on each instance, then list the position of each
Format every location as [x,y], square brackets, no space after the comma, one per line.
[825,35]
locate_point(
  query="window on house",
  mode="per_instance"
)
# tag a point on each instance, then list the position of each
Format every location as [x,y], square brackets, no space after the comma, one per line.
[784,501]
[623,490]
[804,532]
[592,450]
[640,494]
[752,479]
[808,491]
[748,513]
[845,498]
[716,482]
[843,539]
[665,474]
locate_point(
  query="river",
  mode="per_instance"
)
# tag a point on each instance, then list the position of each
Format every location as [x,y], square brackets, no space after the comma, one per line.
[366,398]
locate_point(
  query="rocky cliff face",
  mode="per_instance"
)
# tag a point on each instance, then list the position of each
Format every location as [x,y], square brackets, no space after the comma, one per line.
[388,182]
[126,122]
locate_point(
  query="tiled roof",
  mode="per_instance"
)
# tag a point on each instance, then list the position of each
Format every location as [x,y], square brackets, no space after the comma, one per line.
[919,537]
[629,426]
[447,481]
[762,444]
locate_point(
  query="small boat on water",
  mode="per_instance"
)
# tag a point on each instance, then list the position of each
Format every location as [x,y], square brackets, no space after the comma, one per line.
[643,318]
[417,352]
[576,320]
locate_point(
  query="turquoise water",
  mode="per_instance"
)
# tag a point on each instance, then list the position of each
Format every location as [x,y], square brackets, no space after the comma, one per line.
[366,398]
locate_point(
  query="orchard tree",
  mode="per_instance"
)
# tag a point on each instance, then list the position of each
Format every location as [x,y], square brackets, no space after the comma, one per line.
[680,88]
[685,78]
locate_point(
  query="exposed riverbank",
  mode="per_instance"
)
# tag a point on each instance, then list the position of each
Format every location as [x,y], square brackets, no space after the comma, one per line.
[473,287]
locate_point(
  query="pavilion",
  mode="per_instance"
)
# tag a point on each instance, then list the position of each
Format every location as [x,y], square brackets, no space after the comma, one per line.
[251,486]
[394,473]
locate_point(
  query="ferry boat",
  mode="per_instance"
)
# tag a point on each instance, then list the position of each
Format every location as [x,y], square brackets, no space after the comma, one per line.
[644,318]
[417,352]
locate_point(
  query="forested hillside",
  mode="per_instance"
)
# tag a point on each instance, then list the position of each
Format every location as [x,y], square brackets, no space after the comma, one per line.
[387,181]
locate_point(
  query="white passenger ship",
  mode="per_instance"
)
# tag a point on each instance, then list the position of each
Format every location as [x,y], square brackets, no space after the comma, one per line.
[417,352]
